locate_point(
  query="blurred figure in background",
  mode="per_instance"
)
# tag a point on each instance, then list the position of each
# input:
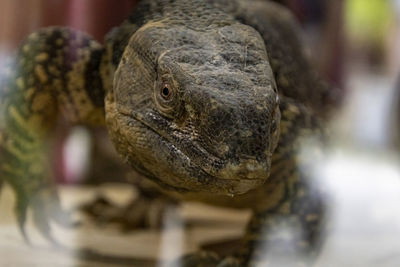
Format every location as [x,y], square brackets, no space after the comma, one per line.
[394,65]
[368,24]
[395,39]
[372,65]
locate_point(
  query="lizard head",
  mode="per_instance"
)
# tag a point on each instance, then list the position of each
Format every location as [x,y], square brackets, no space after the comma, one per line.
[196,110]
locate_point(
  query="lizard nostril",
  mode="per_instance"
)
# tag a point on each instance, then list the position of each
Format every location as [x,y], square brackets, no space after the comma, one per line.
[251,165]
[251,169]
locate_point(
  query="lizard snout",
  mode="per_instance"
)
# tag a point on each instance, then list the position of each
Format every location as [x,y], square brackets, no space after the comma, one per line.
[245,175]
[247,169]
[252,169]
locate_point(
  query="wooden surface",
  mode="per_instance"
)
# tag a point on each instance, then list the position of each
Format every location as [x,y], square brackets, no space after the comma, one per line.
[91,245]
[364,223]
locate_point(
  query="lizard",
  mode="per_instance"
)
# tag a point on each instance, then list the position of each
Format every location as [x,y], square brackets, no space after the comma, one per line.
[208,99]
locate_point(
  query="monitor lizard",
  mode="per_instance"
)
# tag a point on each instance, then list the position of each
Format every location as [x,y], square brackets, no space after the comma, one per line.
[209,99]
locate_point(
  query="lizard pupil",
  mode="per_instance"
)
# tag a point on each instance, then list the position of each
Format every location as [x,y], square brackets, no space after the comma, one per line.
[166,91]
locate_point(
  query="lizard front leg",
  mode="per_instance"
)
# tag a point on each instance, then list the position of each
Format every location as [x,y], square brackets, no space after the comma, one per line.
[145,211]
[290,230]
[56,72]
[288,235]
[288,219]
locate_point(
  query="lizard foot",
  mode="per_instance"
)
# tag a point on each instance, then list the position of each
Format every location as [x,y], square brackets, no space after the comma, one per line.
[45,206]
[207,259]
[143,212]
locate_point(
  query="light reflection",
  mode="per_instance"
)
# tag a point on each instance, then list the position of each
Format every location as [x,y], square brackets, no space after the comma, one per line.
[76,155]
[365,216]
[172,239]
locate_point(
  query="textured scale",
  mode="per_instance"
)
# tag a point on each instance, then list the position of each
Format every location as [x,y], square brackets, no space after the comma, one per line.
[55,73]
[211,100]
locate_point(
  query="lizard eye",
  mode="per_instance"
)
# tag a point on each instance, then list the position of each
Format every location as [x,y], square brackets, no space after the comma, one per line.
[166,91]
[166,98]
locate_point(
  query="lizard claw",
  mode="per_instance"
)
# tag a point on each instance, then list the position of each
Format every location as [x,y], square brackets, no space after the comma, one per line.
[201,258]
[207,259]
[41,217]
[142,213]
[20,211]
[45,208]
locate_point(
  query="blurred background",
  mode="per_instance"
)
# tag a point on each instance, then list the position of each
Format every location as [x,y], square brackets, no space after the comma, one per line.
[354,44]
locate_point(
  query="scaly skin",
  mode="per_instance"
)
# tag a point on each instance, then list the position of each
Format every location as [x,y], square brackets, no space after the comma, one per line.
[210,100]
[56,73]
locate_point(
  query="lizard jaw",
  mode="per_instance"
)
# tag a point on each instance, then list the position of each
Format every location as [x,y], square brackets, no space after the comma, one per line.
[178,171]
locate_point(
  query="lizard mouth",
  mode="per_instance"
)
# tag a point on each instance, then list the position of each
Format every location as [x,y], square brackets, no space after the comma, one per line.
[194,168]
